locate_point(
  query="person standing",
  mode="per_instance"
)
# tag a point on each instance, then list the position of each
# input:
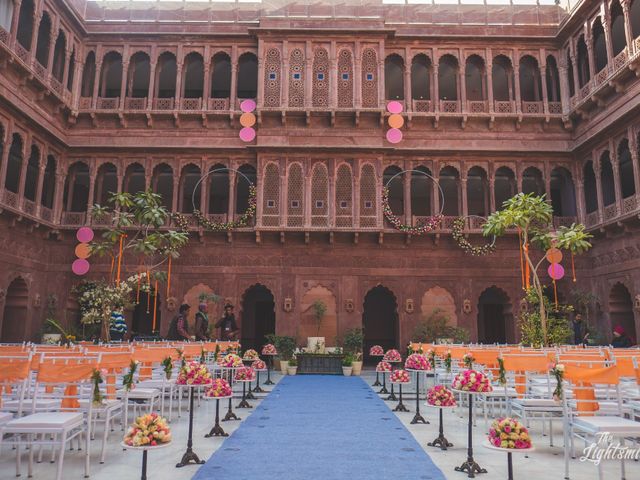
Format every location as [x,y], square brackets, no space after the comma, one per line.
[620,338]
[179,327]
[117,325]
[227,324]
[202,323]
[580,334]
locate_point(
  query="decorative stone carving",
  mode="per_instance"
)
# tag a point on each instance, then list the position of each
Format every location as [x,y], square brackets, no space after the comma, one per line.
[409,305]
[349,306]
[466,306]
[172,303]
[636,303]
[37,300]
[287,306]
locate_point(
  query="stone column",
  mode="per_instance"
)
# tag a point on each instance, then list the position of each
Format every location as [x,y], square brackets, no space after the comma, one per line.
[436,87]
[580,205]
[92,184]
[406,183]
[15,18]
[96,84]
[435,191]
[564,89]
[41,169]
[204,190]
[77,82]
[71,184]
[175,206]
[516,81]
[492,194]
[333,73]
[232,195]
[606,24]
[65,70]
[545,93]
[58,196]
[26,155]
[463,193]
[357,81]
[628,32]
[463,88]
[261,78]
[356,194]
[489,68]
[284,80]
[151,93]
[233,90]
[52,48]
[284,194]
[5,156]
[260,194]
[178,97]
[590,54]
[615,166]
[206,93]
[306,193]
[633,149]
[381,52]
[308,75]
[407,82]
[331,193]
[37,17]
[123,83]
[576,76]
[596,171]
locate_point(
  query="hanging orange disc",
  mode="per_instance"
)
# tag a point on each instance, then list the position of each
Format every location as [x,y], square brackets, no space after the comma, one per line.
[396,120]
[554,255]
[83,250]
[247,119]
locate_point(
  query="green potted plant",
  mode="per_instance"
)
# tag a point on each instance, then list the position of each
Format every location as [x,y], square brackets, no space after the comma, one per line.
[292,367]
[316,344]
[347,365]
[286,346]
[353,341]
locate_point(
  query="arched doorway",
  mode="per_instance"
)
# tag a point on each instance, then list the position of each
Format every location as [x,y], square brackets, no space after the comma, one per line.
[257,315]
[494,314]
[142,322]
[14,319]
[380,319]
[329,324]
[621,310]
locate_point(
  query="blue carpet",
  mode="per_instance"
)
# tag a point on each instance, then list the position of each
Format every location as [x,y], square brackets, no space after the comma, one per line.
[320,427]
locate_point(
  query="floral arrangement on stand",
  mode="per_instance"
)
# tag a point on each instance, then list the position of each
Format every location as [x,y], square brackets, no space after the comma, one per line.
[392,355]
[269,349]
[376,351]
[219,388]
[417,361]
[431,223]
[148,430]
[467,360]
[472,381]
[250,355]
[230,360]
[457,231]
[167,367]
[259,365]
[127,380]
[399,376]
[509,433]
[440,396]
[502,373]
[447,361]
[384,367]
[557,371]
[97,377]
[245,374]
[194,373]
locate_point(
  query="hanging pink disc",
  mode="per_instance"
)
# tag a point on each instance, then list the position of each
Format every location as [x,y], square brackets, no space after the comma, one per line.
[248,105]
[394,107]
[80,266]
[556,271]
[394,135]
[247,134]
[84,235]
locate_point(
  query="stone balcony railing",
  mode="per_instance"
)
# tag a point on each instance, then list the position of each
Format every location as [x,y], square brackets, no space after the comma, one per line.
[614,214]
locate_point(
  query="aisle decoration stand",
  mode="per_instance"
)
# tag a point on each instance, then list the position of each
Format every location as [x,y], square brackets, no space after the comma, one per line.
[400,377]
[471,382]
[219,390]
[248,358]
[392,356]
[516,439]
[148,432]
[230,363]
[376,351]
[258,366]
[417,363]
[245,375]
[192,375]
[269,351]
[384,368]
[440,397]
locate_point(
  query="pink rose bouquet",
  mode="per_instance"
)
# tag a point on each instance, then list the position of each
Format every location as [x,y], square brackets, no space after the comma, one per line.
[269,349]
[471,381]
[245,374]
[259,365]
[250,354]
[148,431]
[441,396]
[230,361]
[509,433]
[399,376]
[194,373]
[376,351]
[219,388]
[417,361]
[392,356]
[383,367]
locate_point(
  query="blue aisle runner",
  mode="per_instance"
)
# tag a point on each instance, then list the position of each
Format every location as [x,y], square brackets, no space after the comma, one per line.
[320,427]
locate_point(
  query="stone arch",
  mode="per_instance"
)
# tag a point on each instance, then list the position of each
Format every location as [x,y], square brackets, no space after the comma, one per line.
[218,186]
[111,77]
[76,192]
[396,188]
[44,40]
[590,189]
[532,181]
[620,304]
[584,74]
[477,191]
[138,75]
[329,324]
[530,82]
[599,44]
[448,77]
[563,195]
[421,192]
[106,183]
[257,317]
[553,79]
[572,82]
[634,17]
[421,77]
[394,77]
[59,56]
[607,181]
[190,188]
[134,179]
[166,76]
[221,76]
[242,186]
[33,172]
[15,317]
[475,78]
[618,37]
[439,298]
[49,183]
[193,82]
[502,79]
[88,75]
[247,82]
[14,164]
[625,168]
[380,318]
[495,316]
[162,184]
[504,185]
[25,24]
[449,179]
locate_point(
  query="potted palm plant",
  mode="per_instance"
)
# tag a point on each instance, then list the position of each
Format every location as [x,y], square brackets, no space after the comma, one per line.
[285,346]
[316,344]
[292,367]
[347,365]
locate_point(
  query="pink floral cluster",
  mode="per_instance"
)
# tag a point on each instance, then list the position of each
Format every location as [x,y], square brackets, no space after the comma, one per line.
[259,365]
[230,361]
[509,433]
[194,373]
[219,388]
[392,355]
[250,354]
[269,349]
[441,396]
[384,367]
[245,374]
[417,361]
[376,351]
[472,381]
[399,376]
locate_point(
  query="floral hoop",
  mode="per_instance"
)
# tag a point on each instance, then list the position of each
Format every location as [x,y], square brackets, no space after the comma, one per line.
[457,231]
[240,222]
[430,224]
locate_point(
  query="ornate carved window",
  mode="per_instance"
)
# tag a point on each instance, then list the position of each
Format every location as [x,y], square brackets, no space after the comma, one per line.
[319,195]
[369,78]
[295,194]
[296,78]
[345,79]
[344,201]
[271,196]
[368,189]
[272,78]
[320,84]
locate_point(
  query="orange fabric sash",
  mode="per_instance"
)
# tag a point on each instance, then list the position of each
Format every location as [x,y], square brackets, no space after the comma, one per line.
[584,379]
[57,373]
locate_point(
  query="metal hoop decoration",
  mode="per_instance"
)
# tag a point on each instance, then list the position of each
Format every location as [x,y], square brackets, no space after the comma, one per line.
[457,231]
[203,221]
[430,224]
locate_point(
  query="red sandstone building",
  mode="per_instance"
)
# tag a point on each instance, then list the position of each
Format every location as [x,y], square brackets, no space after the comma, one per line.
[498,98]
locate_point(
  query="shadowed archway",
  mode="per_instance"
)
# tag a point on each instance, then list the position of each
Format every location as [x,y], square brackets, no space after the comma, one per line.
[621,310]
[14,318]
[380,318]
[257,316]
[494,316]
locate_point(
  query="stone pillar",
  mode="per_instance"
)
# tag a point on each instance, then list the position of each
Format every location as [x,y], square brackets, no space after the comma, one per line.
[26,155]
[5,156]
[580,205]
[232,195]
[356,193]
[41,169]
[15,18]
[37,16]
[606,24]
[489,68]
[615,166]
[261,78]
[284,194]
[71,177]
[564,89]
[233,90]
[590,54]
[331,193]
[284,80]
[435,191]
[65,70]
[628,32]
[206,88]
[178,98]
[151,93]
[306,193]
[633,149]
[462,88]
[58,196]
[596,171]
[308,76]
[52,48]
[381,52]
[543,81]
[436,87]
[334,79]
[204,207]
[92,184]
[516,81]
[463,193]
[260,195]
[175,206]
[407,82]
[123,83]
[96,84]
[492,195]
[77,82]
[406,183]
[357,81]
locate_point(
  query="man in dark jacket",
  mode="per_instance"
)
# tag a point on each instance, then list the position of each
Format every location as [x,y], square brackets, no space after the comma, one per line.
[179,327]
[227,324]
[202,323]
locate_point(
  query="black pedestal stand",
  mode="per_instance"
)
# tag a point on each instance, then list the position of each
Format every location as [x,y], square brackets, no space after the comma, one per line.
[144,465]
[509,466]
[441,441]
[392,396]
[400,407]
[230,415]
[417,418]
[244,403]
[470,466]
[383,390]
[250,395]
[269,367]
[189,456]
[257,388]
[217,430]
[377,382]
